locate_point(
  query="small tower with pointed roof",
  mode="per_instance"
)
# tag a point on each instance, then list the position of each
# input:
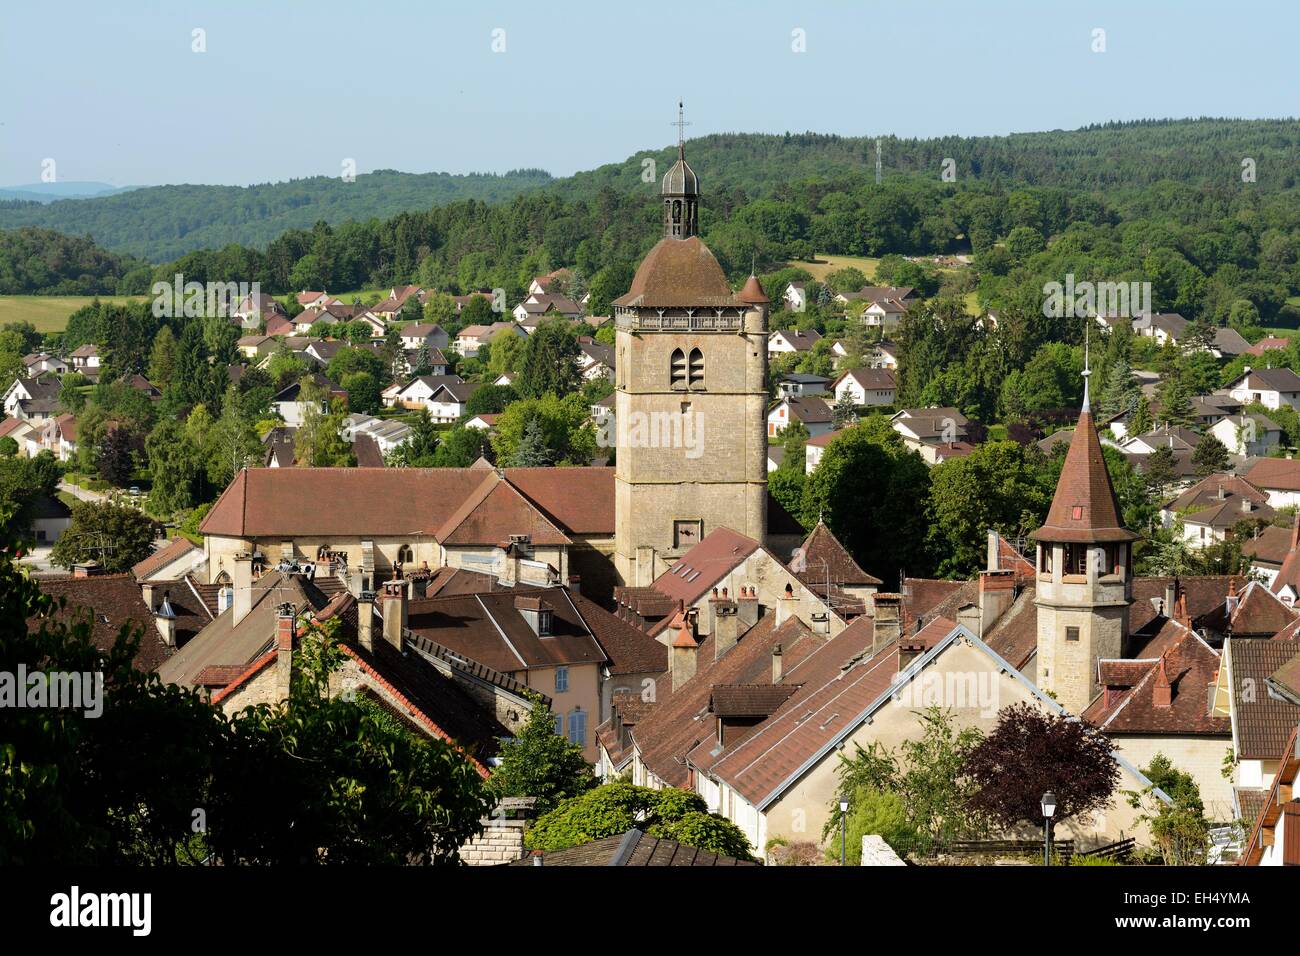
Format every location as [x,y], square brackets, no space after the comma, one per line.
[1084,573]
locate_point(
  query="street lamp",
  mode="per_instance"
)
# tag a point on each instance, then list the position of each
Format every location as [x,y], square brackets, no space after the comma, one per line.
[1049,810]
[844,819]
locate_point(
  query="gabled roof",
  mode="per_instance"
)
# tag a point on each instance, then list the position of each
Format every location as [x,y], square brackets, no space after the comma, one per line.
[495,511]
[1270,379]
[177,548]
[699,569]
[1279,474]
[1262,722]
[1185,673]
[821,555]
[489,628]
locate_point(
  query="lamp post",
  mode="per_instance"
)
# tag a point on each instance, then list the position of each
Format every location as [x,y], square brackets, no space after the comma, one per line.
[844,821]
[1049,809]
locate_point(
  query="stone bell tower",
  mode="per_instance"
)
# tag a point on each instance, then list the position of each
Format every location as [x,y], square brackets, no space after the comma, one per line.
[690,396]
[1084,573]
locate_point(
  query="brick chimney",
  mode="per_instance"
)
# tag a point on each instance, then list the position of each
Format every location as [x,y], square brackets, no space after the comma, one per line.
[285,632]
[889,619]
[395,612]
[747,609]
[909,649]
[778,665]
[241,582]
[1171,598]
[366,620]
[724,624]
[1162,695]
[684,648]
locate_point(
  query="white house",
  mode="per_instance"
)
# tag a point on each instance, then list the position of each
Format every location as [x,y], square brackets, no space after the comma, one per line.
[290,407]
[814,412]
[85,357]
[1270,387]
[1253,436]
[473,337]
[418,392]
[447,404]
[1279,478]
[424,333]
[866,386]
[785,341]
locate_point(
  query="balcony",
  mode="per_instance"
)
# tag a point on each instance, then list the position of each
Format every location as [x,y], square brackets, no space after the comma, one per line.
[713,321]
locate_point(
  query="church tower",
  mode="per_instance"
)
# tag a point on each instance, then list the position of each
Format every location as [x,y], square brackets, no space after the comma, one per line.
[690,396]
[1085,573]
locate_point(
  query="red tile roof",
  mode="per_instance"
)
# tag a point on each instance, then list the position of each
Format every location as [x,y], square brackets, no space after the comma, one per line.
[1084,509]
[176,548]
[704,565]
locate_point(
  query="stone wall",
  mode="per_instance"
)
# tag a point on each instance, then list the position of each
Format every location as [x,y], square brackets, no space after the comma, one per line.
[502,841]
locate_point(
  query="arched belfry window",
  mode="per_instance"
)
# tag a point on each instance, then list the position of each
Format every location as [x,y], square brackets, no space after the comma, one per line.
[695,369]
[677,210]
[404,554]
[677,372]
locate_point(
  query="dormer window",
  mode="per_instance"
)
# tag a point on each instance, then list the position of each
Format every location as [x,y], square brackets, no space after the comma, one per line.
[544,622]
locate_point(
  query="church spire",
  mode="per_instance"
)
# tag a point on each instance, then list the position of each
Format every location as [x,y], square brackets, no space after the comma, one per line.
[681,189]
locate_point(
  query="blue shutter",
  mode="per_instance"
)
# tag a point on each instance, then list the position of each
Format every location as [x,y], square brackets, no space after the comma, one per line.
[559,725]
[578,728]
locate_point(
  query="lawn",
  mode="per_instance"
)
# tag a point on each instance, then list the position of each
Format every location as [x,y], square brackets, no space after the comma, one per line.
[49,313]
[825,265]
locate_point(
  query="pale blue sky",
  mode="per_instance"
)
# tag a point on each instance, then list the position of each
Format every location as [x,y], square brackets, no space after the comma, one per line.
[289,88]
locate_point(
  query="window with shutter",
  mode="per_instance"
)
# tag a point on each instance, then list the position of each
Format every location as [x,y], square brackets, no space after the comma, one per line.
[677,377]
[695,369]
[561,679]
[578,727]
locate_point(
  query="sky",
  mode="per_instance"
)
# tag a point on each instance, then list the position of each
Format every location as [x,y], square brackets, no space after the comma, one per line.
[116,92]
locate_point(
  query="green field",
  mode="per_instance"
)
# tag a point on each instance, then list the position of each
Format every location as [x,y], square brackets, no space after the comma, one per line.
[825,265]
[49,313]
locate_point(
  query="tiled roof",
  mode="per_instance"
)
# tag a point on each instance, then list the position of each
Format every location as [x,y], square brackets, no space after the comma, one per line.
[633,848]
[679,273]
[629,649]
[1186,672]
[1282,474]
[1084,508]
[1262,722]
[699,569]
[174,549]
[823,555]
[1269,546]
[749,700]
[111,601]
[489,628]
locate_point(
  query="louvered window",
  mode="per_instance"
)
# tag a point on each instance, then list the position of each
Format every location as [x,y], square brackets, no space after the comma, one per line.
[678,371]
[695,369]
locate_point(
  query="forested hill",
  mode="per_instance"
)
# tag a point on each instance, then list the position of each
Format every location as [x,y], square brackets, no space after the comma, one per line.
[1112,156]
[165,222]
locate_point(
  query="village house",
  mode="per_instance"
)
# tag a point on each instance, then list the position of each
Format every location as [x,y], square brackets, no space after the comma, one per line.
[595,360]
[255,346]
[813,412]
[1161,326]
[1250,435]
[313,300]
[865,386]
[814,448]
[785,341]
[33,399]
[540,305]
[795,296]
[85,358]
[802,385]
[36,363]
[473,337]
[290,406]
[932,432]
[1279,477]
[425,334]
[252,310]
[1270,387]
[1211,509]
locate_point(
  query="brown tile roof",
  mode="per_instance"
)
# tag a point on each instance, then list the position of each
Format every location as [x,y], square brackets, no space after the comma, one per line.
[703,566]
[629,649]
[1215,490]
[111,602]
[671,730]
[493,512]
[679,273]
[367,451]
[633,848]
[1084,509]
[1270,546]
[174,549]
[1185,672]
[1260,613]
[579,500]
[1205,595]
[821,554]
[749,700]
[489,628]
[1263,723]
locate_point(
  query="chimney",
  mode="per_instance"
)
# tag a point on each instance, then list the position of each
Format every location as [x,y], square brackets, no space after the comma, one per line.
[85,569]
[285,631]
[746,609]
[908,651]
[1180,612]
[724,624]
[1171,598]
[395,611]
[1230,602]
[683,650]
[146,593]
[997,593]
[889,619]
[968,616]
[241,602]
[1246,504]
[778,665]
[366,620]
[165,618]
[785,605]
[1162,694]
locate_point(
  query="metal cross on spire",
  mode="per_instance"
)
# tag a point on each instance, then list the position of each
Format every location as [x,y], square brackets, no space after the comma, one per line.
[681,125]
